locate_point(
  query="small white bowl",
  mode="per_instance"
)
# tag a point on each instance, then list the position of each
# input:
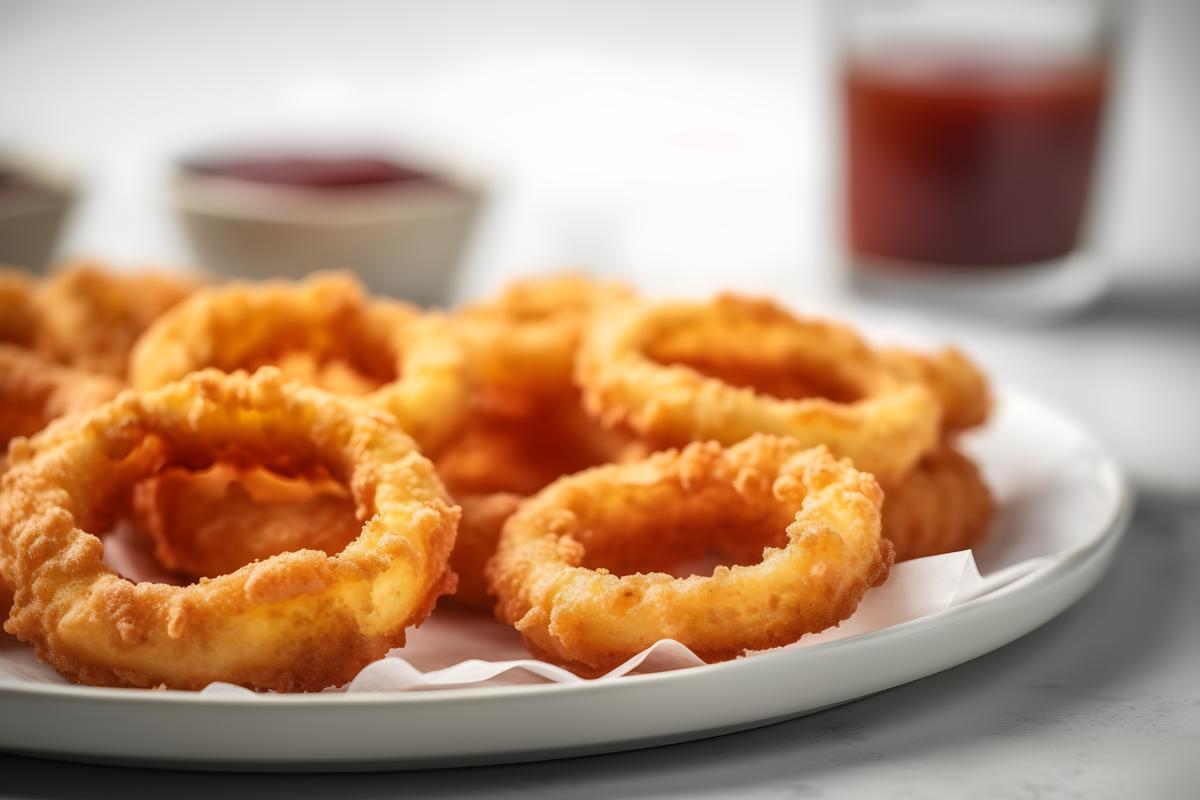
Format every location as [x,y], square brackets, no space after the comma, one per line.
[405,239]
[33,207]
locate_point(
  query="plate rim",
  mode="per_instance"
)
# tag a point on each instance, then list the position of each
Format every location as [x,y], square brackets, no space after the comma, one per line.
[1066,560]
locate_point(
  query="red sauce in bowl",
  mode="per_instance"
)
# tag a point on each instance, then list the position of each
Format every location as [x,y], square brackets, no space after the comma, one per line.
[967,162]
[312,171]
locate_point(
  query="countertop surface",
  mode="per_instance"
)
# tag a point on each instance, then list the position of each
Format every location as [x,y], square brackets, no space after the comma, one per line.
[1101,702]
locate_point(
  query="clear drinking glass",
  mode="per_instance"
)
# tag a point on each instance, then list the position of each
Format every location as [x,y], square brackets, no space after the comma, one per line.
[972,138]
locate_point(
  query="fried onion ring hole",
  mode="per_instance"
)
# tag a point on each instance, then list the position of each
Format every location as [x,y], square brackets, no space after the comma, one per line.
[324,331]
[215,521]
[581,568]
[681,372]
[300,621]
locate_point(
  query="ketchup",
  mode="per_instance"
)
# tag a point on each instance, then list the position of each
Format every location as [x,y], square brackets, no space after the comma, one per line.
[969,162]
[311,171]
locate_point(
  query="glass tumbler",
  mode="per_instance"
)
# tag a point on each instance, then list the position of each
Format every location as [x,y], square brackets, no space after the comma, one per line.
[972,133]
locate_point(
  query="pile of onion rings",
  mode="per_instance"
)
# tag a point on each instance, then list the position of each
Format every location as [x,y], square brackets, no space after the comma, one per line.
[315,467]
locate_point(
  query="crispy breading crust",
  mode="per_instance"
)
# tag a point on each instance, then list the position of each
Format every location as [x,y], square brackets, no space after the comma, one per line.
[580,568]
[299,621]
[943,505]
[33,392]
[884,423]
[89,317]
[417,366]
[483,517]
[958,384]
[521,344]
[18,319]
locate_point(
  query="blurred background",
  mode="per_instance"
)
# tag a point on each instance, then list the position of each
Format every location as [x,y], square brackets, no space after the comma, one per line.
[683,146]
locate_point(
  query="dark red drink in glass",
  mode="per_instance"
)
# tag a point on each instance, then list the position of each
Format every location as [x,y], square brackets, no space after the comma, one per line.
[969,161]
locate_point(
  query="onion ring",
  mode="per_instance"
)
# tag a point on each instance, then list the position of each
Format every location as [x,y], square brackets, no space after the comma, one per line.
[724,370]
[89,317]
[959,386]
[496,453]
[483,517]
[521,345]
[33,392]
[297,621]
[551,572]
[942,506]
[409,361]
[18,321]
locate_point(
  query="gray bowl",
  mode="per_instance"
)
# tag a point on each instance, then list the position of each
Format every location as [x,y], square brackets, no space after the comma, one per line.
[405,240]
[35,198]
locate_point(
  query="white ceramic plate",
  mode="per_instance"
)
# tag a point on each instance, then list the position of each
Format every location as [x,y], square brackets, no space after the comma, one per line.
[1063,506]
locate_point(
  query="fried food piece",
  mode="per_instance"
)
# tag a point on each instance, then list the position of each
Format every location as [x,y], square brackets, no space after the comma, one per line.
[18,320]
[526,427]
[299,621]
[33,392]
[958,384]
[89,317]
[582,568]
[521,345]
[407,363]
[681,371]
[499,459]
[497,453]
[215,521]
[483,517]
[942,506]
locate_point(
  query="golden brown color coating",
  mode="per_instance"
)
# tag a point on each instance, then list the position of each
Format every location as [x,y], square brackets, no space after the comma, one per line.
[89,317]
[526,427]
[582,567]
[678,372]
[498,459]
[300,621]
[33,392]
[215,521]
[943,505]
[521,345]
[958,384]
[497,453]
[483,517]
[18,320]
[325,329]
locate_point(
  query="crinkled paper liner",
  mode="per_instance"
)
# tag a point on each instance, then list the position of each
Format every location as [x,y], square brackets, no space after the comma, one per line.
[456,649]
